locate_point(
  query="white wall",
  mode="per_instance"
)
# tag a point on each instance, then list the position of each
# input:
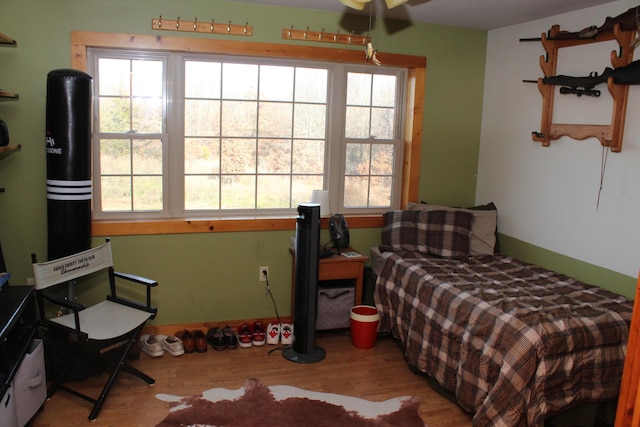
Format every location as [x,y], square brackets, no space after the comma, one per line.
[547,196]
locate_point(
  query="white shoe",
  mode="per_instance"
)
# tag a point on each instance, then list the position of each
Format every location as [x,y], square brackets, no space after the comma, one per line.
[150,345]
[273,333]
[286,333]
[172,344]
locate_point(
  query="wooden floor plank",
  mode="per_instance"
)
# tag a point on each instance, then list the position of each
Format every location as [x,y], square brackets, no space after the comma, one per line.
[376,374]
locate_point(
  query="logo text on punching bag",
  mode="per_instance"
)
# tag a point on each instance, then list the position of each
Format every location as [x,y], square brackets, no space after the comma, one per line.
[51,145]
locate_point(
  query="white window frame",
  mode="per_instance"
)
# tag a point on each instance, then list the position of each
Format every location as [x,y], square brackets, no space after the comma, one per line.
[172,136]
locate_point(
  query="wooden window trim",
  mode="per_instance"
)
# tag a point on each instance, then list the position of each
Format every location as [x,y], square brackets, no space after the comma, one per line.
[414,113]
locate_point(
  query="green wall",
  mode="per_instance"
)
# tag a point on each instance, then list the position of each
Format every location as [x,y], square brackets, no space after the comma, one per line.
[213,277]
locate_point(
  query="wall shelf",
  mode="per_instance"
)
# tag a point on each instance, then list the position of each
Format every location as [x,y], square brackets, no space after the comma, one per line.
[608,135]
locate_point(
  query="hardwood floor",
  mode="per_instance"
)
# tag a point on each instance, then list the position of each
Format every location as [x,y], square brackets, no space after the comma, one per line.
[376,374]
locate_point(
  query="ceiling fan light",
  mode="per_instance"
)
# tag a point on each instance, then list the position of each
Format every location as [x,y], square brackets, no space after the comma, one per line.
[355,4]
[393,3]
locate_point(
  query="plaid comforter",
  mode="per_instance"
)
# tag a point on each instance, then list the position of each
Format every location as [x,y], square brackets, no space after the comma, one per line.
[516,343]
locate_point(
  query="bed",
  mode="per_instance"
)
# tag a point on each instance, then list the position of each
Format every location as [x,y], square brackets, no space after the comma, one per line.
[513,342]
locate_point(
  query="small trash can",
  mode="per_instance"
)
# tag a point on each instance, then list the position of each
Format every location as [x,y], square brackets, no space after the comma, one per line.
[364,326]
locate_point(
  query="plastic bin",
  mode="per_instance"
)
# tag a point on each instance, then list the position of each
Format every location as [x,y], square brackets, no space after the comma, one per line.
[29,383]
[364,326]
[8,409]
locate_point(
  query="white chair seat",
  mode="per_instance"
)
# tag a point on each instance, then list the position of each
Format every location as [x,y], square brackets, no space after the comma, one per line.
[105,320]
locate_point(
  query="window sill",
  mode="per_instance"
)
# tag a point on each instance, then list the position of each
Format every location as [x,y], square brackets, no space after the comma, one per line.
[130,228]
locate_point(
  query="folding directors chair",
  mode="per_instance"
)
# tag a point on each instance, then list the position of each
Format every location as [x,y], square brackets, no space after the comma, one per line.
[106,330]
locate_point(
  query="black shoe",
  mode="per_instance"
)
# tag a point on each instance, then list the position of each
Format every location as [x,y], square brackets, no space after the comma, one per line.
[230,339]
[216,338]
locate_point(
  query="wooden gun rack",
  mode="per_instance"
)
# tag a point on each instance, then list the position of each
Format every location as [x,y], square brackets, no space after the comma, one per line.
[608,135]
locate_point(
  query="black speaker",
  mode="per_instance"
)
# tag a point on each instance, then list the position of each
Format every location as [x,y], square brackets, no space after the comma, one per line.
[304,349]
[4,134]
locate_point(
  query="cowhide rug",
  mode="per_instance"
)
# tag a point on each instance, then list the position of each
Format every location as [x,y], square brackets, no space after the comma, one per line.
[257,405]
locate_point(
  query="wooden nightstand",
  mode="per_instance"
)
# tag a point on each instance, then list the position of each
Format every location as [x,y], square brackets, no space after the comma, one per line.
[334,267]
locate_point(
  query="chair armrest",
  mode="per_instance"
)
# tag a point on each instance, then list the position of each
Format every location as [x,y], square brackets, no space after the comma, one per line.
[71,305]
[134,304]
[137,279]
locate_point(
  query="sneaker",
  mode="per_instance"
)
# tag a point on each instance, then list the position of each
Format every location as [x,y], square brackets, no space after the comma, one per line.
[245,336]
[259,335]
[150,345]
[172,344]
[286,333]
[273,333]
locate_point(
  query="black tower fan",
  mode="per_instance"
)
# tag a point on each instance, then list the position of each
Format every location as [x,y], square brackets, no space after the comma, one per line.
[304,349]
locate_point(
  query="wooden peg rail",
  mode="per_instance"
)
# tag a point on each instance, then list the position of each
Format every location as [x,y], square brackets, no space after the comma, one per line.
[322,36]
[195,26]
[608,135]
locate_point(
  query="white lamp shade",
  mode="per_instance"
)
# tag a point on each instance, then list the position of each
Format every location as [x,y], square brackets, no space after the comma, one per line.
[393,3]
[322,198]
[355,4]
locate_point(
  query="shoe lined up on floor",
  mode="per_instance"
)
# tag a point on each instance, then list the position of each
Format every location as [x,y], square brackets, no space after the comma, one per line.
[199,341]
[280,332]
[286,334]
[245,335]
[150,345]
[171,344]
[187,341]
[222,338]
[258,334]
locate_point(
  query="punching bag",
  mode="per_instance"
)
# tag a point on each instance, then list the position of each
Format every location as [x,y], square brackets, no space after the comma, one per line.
[68,142]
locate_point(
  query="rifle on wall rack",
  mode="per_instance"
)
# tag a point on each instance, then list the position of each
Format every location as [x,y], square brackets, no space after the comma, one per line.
[629,20]
[627,75]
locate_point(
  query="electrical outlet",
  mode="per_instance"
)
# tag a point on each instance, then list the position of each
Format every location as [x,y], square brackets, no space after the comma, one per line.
[261,275]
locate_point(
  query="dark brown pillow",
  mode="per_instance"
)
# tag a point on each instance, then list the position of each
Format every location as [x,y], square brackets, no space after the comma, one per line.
[448,233]
[404,230]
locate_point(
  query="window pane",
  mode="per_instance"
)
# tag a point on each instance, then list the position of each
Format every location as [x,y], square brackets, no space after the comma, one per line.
[308,157]
[115,156]
[356,191]
[238,192]
[202,79]
[147,157]
[276,83]
[239,118]
[303,186]
[147,115]
[114,77]
[147,193]
[274,191]
[358,159]
[238,156]
[382,159]
[358,89]
[147,78]
[310,121]
[115,115]
[357,122]
[201,192]
[239,81]
[116,193]
[382,123]
[275,119]
[380,192]
[201,118]
[384,91]
[201,155]
[274,156]
[311,85]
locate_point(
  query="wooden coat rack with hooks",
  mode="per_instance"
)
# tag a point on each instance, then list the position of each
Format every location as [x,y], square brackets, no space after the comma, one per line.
[322,36]
[195,26]
[608,135]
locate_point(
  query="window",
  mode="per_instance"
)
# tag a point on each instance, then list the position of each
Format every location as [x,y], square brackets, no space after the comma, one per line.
[183,135]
